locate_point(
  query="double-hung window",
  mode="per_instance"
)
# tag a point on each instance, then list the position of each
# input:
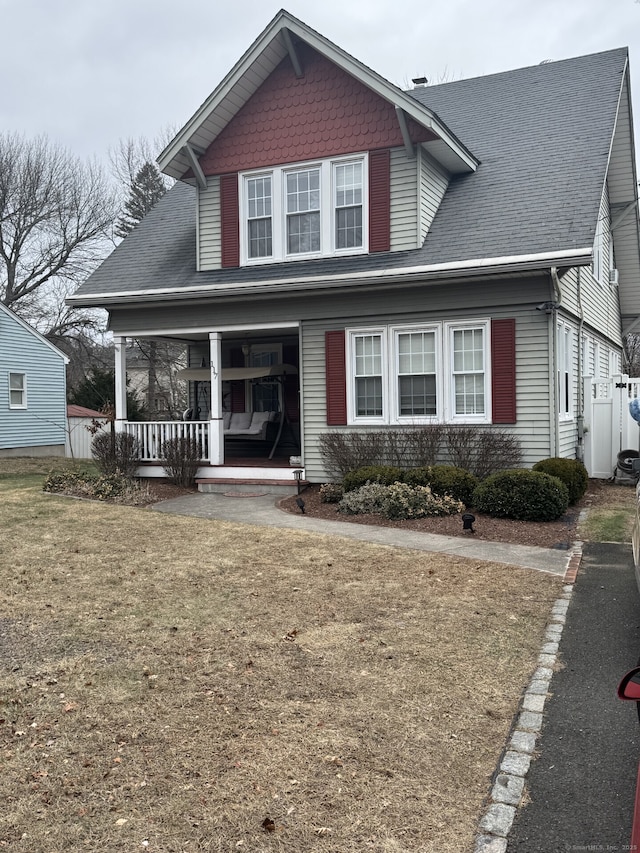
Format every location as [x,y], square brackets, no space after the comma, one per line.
[416,365]
[17,391]
[468,371]
[305,211]
[369,375]
[259,217]
[419,374]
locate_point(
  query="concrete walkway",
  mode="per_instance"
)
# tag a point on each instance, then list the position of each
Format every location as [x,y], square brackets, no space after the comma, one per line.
[263,511]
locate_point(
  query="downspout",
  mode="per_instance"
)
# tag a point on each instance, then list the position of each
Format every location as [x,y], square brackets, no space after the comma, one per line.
[553,349]
[580,413]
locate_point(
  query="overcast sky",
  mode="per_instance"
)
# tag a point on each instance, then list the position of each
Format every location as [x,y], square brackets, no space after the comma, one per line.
[89,73]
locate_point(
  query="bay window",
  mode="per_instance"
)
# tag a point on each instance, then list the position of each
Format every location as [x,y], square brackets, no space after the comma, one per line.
[315,210]
[435,373]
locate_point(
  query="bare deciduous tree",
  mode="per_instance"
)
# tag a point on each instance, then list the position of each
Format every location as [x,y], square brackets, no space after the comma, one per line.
[56,214]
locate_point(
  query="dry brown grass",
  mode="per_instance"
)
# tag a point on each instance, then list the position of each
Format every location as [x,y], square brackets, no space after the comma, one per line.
[176,684]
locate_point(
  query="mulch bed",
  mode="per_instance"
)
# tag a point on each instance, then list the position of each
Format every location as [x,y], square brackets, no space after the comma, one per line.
[552,534]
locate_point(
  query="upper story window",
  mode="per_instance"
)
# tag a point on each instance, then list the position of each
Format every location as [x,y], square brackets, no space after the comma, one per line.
[308,211]
[17,391]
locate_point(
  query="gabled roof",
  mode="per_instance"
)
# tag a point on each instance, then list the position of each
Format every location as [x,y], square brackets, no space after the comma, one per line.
[32,331]
[278,40]
[543,135]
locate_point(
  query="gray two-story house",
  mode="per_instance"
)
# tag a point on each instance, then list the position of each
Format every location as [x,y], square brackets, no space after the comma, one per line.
[461,253]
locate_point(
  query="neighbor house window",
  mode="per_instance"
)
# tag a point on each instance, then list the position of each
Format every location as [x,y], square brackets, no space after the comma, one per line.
[412,375]
[17,391]
[304,211]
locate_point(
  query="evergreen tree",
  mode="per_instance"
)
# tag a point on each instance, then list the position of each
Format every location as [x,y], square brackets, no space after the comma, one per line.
[98,390]
[146,189]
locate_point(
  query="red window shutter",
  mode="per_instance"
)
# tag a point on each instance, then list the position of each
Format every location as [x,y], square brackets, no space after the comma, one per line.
[503,371]
[336,378]
[380,200]
[230,220]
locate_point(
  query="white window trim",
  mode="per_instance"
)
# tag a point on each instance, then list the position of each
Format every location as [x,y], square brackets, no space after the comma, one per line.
[409,420]
[445,386]
[23,404]
[450,413]
[352,417]
[279,215]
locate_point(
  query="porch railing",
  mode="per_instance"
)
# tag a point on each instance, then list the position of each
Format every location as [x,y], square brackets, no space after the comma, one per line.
[152,435]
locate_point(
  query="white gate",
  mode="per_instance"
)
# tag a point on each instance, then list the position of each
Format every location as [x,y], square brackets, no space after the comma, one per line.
[608,426]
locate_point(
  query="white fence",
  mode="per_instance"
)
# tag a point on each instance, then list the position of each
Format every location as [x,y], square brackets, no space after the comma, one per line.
[609,428]
[151,436]
[78,443]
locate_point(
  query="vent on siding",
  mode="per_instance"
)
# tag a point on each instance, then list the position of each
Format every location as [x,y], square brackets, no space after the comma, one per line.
[503,371]
[336,378]
[230,219]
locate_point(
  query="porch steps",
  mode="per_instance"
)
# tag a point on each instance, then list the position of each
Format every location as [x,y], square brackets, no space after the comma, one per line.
[230,485]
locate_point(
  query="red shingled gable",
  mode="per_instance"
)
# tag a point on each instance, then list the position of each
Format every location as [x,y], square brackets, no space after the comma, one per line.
[325,113]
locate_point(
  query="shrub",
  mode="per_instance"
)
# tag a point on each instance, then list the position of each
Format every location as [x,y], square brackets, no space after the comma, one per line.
[449,480]
[572,473]
[331,493]
[522,494]
[345,451]
[368,498]
[385,474]
[115,451]
[482,451]
[65,480]
[405,501]
[479,450]
[417,476]
[181,460]
[113,487]
[398,500]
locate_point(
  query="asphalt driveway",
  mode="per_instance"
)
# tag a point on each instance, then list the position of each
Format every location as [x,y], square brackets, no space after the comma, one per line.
[581,788]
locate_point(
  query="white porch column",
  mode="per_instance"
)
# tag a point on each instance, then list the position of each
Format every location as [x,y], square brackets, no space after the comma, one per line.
[121,382]
[216,435]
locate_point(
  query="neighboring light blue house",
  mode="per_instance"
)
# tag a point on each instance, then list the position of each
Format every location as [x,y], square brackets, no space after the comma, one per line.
[33,404]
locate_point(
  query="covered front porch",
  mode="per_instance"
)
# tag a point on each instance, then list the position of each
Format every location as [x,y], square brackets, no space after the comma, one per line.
[243,409]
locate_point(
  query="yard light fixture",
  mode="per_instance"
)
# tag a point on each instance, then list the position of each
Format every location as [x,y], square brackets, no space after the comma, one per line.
[467,522]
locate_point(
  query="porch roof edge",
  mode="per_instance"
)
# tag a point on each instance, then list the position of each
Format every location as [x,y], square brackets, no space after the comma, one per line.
[429,273]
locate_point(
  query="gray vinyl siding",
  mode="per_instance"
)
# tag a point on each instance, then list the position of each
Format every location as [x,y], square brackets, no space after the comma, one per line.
[404,201]
[532,375]
[209,227]
[433,185]
[43,422]
[595,302]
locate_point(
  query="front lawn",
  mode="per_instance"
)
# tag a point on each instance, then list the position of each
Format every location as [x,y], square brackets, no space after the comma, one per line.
[178,684]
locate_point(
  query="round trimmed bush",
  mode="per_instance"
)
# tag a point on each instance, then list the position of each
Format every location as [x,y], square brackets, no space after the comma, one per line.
[385,474]
[449,480]
[522,494]
[572,473]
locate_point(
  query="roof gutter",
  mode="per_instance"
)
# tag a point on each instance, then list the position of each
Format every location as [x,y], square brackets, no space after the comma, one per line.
[398,275]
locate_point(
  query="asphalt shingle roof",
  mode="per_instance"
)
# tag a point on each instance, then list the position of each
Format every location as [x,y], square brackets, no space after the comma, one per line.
[542,135]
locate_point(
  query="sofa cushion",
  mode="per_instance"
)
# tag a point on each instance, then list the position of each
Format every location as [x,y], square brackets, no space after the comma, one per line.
[226,420]
[258,418]
[240,420]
